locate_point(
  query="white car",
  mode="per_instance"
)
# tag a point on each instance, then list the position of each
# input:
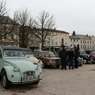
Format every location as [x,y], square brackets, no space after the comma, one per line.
[16,68]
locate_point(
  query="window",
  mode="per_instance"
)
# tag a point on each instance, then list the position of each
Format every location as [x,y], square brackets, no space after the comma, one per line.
[0,54]
[56,44]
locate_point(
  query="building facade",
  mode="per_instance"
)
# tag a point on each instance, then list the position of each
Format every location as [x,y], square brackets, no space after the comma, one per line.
[55,38]
[85,42]
[8,31]
[9,35]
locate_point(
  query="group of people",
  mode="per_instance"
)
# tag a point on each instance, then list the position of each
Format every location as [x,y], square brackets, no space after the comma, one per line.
[69,57]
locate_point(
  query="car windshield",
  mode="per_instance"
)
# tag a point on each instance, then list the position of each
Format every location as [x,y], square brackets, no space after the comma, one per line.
[27,52]
[48,54]
[82,52]
[13,53]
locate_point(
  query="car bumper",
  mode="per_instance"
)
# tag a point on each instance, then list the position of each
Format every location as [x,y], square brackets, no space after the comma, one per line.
[25,82]
[52,63]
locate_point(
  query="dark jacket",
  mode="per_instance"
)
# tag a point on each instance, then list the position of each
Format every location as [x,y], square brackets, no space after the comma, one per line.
[76,52]
[62,54]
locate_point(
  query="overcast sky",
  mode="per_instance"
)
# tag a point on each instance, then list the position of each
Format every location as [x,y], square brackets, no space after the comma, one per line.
[78,15]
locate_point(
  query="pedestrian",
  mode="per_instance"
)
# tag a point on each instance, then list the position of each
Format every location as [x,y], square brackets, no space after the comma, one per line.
[62,55]
[70,58]
[76,55]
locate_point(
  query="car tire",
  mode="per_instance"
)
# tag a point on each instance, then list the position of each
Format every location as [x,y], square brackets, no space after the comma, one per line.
[4,80]
[92,61]
[37,82]
[57,66]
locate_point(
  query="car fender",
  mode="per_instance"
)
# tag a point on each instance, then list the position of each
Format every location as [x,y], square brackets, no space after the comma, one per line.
[11,75]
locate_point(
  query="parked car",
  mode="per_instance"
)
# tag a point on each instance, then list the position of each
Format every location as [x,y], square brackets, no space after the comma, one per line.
[85,56]
[81,61]
[92,57]
[48,58]
[15,68]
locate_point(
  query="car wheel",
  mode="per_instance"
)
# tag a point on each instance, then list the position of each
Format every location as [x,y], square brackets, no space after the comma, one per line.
[4,80]
[92,61]
[37,82]
[57,66]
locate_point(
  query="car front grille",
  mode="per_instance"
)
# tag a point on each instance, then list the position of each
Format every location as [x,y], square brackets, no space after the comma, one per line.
[28,76]
[57,60]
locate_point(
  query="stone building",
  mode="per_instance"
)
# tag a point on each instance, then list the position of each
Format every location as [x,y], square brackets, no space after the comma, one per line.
[53,39]
[8,31]
[85,42]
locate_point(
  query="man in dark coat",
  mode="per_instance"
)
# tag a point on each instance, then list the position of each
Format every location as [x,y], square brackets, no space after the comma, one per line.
[76,55]
[70,54]
[62,55]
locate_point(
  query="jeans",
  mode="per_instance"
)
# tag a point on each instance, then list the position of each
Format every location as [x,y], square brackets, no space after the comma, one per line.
[63,64]
[71,63]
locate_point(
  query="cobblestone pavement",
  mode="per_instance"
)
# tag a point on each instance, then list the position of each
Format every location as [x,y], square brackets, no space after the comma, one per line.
[60,82]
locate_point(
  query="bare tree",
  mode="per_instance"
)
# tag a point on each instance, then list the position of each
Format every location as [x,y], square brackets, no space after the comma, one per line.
[3,11]
[24,20]
[8,26]
[45,23]
[3,8]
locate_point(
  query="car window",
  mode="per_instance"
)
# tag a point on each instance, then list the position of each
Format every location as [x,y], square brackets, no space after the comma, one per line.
[44,54]
[36,54]
[51,54]
[47,54]
[13,53]
[27,52]
[0,54]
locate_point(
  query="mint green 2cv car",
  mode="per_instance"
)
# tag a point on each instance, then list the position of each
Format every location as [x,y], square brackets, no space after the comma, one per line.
[15,68]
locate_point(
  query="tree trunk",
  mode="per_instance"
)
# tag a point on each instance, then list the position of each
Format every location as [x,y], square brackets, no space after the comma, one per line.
[42,45]
[22,38]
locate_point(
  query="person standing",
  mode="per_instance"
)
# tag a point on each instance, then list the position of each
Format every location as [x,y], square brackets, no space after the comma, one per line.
[76,55]
[62,55]
[71,58]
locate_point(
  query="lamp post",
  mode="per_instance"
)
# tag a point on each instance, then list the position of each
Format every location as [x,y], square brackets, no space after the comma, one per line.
[62,42]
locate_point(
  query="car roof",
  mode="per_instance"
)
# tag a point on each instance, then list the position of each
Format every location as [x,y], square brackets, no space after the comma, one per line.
[43,51]
[14,47]
[92,52]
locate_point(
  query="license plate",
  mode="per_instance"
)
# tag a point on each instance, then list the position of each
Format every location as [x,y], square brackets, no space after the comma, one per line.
[28,78]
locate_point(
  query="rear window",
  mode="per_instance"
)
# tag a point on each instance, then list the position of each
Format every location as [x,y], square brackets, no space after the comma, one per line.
[44,54]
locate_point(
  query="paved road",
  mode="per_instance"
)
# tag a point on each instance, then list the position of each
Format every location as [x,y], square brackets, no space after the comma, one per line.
[57,82]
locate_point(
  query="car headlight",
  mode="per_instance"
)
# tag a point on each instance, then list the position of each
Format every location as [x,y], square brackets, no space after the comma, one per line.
[15,69]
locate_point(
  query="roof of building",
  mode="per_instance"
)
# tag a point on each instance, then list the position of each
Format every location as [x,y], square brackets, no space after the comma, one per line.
[52,30]
[61,31]
[6,20]
[13,47]
[80,37]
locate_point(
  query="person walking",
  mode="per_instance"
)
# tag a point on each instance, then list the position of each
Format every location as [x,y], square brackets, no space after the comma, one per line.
[62,55]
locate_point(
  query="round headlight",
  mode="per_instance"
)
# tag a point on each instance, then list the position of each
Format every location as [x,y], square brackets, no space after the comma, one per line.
[16,69]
